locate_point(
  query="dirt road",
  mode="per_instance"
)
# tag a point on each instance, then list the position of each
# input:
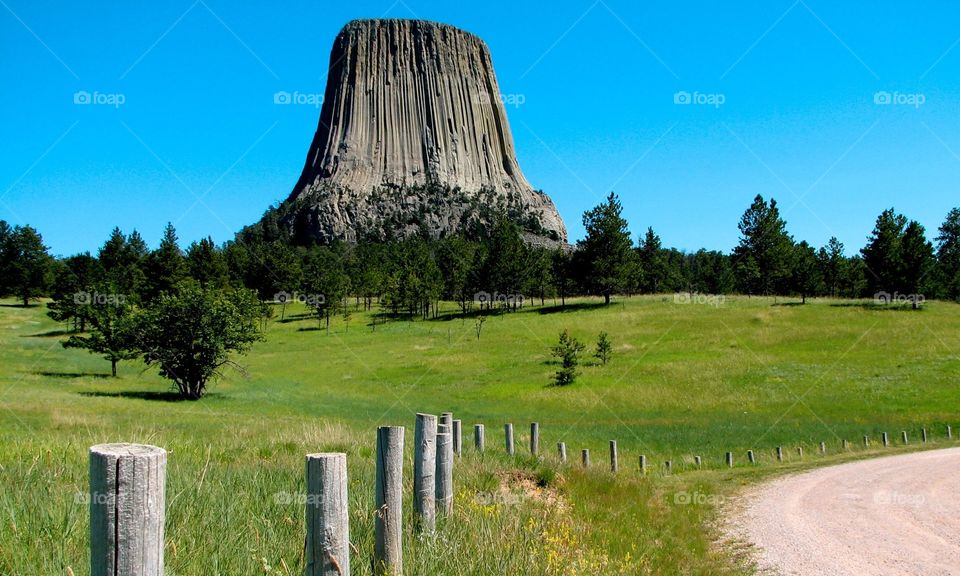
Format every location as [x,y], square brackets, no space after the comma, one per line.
[898,515]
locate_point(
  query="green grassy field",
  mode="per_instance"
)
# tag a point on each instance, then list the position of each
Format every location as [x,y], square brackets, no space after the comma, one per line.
[685,380]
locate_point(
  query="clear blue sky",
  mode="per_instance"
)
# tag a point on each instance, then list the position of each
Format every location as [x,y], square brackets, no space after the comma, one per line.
[199,141]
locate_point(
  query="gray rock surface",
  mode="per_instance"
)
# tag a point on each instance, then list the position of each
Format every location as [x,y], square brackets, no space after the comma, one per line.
[413,137]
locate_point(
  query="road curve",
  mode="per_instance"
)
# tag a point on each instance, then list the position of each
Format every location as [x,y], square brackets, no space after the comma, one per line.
[897,515]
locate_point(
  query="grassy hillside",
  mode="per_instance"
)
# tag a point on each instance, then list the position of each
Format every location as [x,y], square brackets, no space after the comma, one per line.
[685,380]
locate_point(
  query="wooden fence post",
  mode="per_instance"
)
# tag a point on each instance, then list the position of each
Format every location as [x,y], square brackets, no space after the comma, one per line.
[446,419]
[127,512]
[614,460]
[698,462]
[843,443]
[328,519]
[903,435]
[388,527]
[779,453]
[668,465]
[458,438]
[444,471]
[866,441]
[949,432]
[886,440]
[800,452]
[562,450]
[508,434]
[585,457]
[424,472]
[479,437]
[923,435]
[823,447]
[534,438]
[750,457]
[643,464]
[729,459]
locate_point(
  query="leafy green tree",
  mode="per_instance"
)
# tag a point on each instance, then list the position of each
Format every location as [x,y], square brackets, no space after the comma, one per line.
[562,273]
[325,284]
[882,254]
[604,348]
[948,255]
[165,267]
[207,265]
[606,256]
[455,257]
[192,333]
[806,271]
[568,351]
[29,267]
[763,258]
[75,278]
[108,316]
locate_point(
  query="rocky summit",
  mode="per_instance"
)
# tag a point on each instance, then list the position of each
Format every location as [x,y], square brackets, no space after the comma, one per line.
[413,139]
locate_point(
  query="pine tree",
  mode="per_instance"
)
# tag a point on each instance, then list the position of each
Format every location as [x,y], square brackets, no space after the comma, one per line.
[948,255]
[881,256]
[764,257]
[606,258]
[165,267]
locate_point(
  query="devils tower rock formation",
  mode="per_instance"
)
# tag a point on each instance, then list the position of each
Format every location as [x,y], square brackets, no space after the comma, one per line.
[413,138]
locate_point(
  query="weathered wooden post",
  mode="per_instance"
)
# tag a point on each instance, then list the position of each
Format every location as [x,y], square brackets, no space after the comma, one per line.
[800,452]
[823,447]
[446,419]
[643,464]
[614,460]
[479,437]
[779,453]
[729,459]
[903,435]
[388,527]
[585,457]
[843,444]
[458,438]
[424,472]
[508,437]
[923,435]
[866,441]
[327,551]
[562,450]
[127,500]
[949,432]
[750,457]
[534,438]
[698,462]
[444,471]
[668,466]
[886,439]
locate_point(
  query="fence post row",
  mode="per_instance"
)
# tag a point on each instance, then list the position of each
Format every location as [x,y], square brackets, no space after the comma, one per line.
[534,438]
[127,502]
[424,472]
[444,471]
[328,519]
[388,532]
[479,439]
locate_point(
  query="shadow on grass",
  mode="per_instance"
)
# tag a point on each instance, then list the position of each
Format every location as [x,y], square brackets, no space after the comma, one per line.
[167,396]
[572,307]
[787,304]
[50,334]
[878,307]
[73,374]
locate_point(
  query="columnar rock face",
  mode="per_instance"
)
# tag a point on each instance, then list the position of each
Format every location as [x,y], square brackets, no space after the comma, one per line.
[412,137]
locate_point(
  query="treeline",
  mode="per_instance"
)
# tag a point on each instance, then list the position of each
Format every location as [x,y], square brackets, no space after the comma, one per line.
[410,277]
